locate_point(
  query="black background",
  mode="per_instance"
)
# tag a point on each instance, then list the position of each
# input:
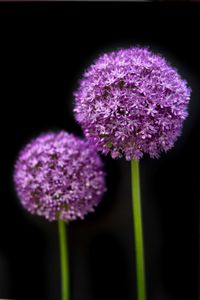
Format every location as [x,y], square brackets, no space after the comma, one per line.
[44,48]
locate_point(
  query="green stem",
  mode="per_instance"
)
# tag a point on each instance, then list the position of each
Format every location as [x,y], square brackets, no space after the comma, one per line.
[64,263]
[137,223]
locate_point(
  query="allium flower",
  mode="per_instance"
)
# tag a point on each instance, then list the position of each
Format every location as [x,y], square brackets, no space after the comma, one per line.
[131,102]
[59,176]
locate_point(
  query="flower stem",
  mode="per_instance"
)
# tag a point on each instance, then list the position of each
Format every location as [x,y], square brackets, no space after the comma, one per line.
[64,263]
[137,223]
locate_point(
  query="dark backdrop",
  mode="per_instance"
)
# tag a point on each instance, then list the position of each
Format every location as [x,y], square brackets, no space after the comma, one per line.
[44,48]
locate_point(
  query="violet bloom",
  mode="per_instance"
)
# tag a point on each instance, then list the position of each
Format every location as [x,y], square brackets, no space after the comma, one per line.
[59,176]
[131,102]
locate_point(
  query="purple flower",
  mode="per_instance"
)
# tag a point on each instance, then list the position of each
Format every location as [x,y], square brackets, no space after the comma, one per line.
[131,102]
[59,176]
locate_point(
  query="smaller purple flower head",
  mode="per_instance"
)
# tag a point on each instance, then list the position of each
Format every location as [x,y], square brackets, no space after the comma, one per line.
[131,102]
[59,176]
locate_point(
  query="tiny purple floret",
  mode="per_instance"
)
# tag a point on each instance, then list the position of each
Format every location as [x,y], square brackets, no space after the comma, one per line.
[59,176]
[131,102]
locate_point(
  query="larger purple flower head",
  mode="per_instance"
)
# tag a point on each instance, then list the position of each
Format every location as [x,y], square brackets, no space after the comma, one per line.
[59,176]
[131,102]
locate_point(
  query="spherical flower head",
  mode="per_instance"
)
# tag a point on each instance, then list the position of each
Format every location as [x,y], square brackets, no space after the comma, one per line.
[131,102]
[59,176]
